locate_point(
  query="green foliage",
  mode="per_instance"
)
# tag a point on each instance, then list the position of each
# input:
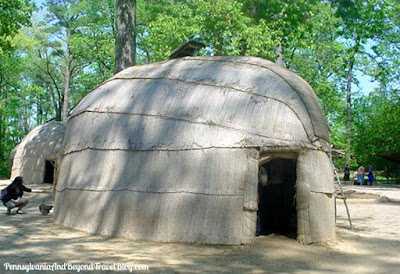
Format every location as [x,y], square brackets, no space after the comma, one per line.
[33,72]
[13,15]
[14,119]
[319,60]
[361,21]
[322,41]
[77,34]
[365,18]
[289,20]
[384,60]
[377,127]
[161,34]
[94,32]
[228,27]
[222,25]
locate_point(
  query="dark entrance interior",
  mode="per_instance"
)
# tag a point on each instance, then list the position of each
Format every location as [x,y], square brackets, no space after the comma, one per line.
[277,208]
[49,172]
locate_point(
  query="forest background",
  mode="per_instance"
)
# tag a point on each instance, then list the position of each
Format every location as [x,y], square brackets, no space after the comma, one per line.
[52,53]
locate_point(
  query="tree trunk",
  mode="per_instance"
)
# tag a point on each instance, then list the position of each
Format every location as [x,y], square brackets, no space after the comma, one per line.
[348,99]
[279,49]
[348,102]
[39,112]
[125,34]
[2,133]
[66,80]
[66,94]
[279,55]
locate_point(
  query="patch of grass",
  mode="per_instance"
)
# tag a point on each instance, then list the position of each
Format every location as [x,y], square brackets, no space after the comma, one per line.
[383,180]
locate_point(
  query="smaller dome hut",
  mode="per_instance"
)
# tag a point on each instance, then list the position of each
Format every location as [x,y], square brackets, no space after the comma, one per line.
[36,156]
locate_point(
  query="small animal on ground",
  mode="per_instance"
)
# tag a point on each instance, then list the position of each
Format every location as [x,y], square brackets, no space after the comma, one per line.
[44,209]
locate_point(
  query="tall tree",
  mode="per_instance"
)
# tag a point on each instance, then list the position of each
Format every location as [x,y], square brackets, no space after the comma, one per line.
[59,47]
[287,21]
[13,15]
[317,57]
[125,34]
[77,25]
[362,20]
[383,61]
[46,70]
[63,15]
[95,32]
[54,67]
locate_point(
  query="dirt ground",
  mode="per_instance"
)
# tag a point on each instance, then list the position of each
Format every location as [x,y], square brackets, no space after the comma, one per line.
[373,246]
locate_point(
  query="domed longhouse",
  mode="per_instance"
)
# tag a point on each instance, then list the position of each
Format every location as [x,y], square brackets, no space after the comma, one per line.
[197,149]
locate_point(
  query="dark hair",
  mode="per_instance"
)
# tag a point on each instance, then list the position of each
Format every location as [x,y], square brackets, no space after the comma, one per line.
[17,182]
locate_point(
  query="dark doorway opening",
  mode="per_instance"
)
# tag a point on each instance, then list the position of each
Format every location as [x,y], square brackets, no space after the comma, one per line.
[276,195]
[49,172]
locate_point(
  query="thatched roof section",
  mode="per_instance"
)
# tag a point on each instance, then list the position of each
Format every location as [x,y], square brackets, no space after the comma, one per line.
[43,142]
[239,101]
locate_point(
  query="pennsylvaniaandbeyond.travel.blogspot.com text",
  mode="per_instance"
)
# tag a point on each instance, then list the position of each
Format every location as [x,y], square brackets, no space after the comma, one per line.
[75,267]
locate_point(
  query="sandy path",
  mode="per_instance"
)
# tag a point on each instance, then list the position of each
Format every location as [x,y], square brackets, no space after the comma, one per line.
[373,247]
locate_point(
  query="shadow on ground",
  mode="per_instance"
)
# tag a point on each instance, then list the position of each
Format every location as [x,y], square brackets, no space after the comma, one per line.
[34,238]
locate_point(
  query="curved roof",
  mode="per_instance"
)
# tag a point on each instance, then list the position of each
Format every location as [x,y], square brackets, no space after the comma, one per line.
[43,142]
[197,102]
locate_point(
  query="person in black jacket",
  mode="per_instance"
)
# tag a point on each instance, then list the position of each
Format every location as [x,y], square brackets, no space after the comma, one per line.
[13,196]
[346,173]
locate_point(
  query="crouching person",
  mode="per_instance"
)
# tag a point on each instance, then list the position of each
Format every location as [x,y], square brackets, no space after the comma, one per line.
[12,195]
